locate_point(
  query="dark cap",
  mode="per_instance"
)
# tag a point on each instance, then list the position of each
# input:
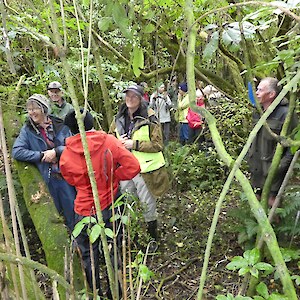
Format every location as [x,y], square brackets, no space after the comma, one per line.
[54,85]
[183,86]
[137,89]
[71,121]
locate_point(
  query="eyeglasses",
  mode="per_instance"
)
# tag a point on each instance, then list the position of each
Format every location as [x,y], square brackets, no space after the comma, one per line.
[33,109]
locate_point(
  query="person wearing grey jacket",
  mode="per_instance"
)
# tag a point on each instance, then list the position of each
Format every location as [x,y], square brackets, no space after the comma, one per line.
[264,145]
[161,103]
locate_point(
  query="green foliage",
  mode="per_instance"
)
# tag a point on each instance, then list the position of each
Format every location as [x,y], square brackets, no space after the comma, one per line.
[195,169]
[247,226]
[249,263]
[231,297]
[290,254]
[140,269]
[262,290]
[137,61]
[233,122]
[296,137]
[296,278]
[289,211]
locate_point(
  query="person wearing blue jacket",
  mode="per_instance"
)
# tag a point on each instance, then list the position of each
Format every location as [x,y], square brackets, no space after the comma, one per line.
[41,142]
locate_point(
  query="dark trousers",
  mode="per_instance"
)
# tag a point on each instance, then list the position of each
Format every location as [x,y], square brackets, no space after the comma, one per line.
[83,243]
[193,134]
[63,195]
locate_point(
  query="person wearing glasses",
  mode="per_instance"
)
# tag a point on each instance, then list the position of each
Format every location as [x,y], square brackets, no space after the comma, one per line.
[41,142]
[137,127]
[60,107]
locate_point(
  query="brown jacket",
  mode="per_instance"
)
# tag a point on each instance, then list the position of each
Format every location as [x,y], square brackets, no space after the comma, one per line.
[157,181]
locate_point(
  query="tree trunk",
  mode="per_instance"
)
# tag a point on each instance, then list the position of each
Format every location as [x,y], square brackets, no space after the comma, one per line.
[48,224]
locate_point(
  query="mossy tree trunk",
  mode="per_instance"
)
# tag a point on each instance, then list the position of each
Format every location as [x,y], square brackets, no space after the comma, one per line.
[49,225]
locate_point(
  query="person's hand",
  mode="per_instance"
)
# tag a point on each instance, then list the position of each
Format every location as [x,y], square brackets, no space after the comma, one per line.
[49,156]
[128,144]
[123,138]
[196,124]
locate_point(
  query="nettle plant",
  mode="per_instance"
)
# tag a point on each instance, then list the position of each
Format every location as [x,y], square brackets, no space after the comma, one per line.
[250,263]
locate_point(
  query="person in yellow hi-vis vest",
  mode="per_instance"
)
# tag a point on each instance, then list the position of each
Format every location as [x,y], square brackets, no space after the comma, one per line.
[137,127]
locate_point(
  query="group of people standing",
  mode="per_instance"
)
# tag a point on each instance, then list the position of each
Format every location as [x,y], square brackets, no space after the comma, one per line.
[129,159]
[172,104]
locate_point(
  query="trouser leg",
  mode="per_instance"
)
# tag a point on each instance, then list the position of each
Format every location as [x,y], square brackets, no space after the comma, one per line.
[83,243]
[147,199]
[166,132]
[63,195]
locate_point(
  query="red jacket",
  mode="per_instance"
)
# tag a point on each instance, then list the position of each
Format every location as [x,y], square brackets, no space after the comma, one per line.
[195,119]
[111,163]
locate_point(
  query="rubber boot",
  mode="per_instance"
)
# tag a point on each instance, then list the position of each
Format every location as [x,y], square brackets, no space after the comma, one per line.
[152,229]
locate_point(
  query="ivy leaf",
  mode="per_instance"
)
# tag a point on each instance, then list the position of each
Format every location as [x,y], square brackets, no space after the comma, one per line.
[124,220]
[114,218]
[94,233]
[149,28]
[252,256]
[137,61]
[120,19]
[145,273]
[104,23]
[109,232]
[244,271]
[254,272]
[80,225]
[262,289]
[264,267]
[296,138]
[296,278]
[211,47]
[237,263]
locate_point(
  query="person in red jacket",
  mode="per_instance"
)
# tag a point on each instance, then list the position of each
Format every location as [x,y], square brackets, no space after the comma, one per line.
[195,121]
[111,162]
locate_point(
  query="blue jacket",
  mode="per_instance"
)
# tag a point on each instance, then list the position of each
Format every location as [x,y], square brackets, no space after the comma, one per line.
[29,145]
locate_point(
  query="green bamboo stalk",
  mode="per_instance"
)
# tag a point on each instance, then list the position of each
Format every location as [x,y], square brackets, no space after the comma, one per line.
[8,245]
[278,154]
[66,67]
[256,208]
[12,202]
[35,265]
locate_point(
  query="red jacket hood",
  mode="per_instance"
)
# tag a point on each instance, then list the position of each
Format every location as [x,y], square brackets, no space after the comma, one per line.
[95,142]
[111,163]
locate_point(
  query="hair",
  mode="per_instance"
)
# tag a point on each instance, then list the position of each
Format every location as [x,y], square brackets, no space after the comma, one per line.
[71,121]
[273,85]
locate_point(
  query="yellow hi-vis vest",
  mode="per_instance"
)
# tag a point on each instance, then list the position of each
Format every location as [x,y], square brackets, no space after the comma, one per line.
[148,161]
